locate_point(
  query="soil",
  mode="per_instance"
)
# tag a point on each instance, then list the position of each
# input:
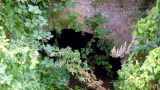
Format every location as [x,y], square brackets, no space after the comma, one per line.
[121,15]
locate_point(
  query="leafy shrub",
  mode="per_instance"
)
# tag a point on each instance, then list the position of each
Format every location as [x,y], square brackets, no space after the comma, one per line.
[137,76]
[143,75]
[99,47]
[21,66]
[96,23]
[146,33]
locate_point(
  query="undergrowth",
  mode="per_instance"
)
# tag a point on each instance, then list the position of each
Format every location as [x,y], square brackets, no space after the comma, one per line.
[142,69]
[22,36]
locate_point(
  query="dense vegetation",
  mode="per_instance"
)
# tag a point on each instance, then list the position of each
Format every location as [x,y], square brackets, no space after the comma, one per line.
[142,69]
[29,62]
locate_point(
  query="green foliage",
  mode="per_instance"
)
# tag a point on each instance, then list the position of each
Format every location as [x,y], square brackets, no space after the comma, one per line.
[13,14]
[105,45]
[22,67]
[71,60]
[146,33]
[102,46]
[144,72]
[96,23]
[66,59]
[146,28]
[64,19]
[18,65]
[143,76]
[99,42]
[53,77]
[22,36]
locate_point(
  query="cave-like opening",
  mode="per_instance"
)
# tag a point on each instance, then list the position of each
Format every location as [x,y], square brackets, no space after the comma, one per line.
[79,40]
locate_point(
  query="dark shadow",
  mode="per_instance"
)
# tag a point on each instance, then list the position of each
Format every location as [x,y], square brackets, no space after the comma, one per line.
[68,37]
[116,65]
[111,74]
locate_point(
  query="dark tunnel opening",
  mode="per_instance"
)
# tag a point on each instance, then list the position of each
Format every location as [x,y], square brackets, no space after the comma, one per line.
[78,40]
[112,74]
[68,37]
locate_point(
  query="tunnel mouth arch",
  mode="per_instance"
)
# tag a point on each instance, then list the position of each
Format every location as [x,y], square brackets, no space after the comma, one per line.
[80,41]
